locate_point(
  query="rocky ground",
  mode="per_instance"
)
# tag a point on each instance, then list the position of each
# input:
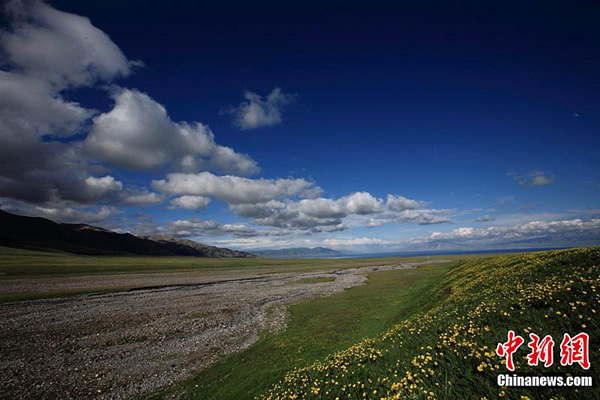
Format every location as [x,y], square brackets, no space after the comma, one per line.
[121,345]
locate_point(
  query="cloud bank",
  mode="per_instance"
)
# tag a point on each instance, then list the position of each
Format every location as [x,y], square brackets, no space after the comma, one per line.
[535,233]
[234,189]
[294,203]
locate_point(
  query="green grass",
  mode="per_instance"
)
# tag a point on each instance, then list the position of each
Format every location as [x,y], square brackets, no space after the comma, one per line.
[420,333]
[447,350]
[315,329]
[25,264]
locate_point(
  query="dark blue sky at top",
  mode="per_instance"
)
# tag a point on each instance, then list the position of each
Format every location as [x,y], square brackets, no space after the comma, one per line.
[434,101]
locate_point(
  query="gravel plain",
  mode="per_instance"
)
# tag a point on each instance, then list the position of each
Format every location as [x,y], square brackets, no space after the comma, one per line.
[126,344]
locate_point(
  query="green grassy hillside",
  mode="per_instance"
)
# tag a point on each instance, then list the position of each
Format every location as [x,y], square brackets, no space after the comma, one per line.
[447,351]
[315,329]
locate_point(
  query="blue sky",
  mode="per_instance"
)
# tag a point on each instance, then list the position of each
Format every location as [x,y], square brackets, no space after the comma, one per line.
[450,127]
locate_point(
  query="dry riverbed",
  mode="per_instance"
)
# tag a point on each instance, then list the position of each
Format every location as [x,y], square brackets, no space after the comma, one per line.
[120,345]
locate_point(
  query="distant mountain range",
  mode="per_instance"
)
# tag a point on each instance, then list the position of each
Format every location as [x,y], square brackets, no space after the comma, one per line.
[40,233]
[298,252]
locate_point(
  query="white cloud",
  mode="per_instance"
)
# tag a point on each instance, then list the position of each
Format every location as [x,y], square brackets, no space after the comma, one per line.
[197,228]
[400,203]
[541,180]
[191,202]
[138,133]
[100,187]
[143,198]
[263,242]
[60,48]
[233,189]
[534,178]
[484,218]
[353,245]
[423,217]
[362,203]
[31,107]
[267,201]
[534,233]
[321,208]
[46,52]
[305,214]
[31,169]
[257,111]
[373,223]
[75,215]
[322,214]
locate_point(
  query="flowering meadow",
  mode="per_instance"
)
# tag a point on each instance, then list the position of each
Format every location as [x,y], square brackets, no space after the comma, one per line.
[448,350]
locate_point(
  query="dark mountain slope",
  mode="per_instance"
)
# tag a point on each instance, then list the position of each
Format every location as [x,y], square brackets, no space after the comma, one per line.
[22,231]
[189,247]
[34,232]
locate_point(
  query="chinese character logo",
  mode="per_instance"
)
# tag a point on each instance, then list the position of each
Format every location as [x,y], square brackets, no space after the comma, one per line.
[507,349]
[575,350]
[540,351]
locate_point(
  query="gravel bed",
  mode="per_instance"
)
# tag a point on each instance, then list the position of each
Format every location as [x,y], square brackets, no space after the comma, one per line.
[122,345]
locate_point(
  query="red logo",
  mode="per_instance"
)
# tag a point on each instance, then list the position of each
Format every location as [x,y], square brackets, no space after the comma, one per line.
[575,350]
[507,349]
[540,351]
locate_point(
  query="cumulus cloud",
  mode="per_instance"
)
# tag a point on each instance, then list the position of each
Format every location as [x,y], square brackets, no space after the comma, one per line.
[196,228]
[61,213]
[48,51]
[60,48]
[257,111]
[41,172]
[264,242]
[139,134]
[100,187]
[269,202]
[234,189]
[534,178]
[423,217]
[316,215]
[400,203]
[373,222]
[362,203]
[323,214]
[142,198]
[45,152]
[484,218]
[31,107]
[191,202]
[76,215]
